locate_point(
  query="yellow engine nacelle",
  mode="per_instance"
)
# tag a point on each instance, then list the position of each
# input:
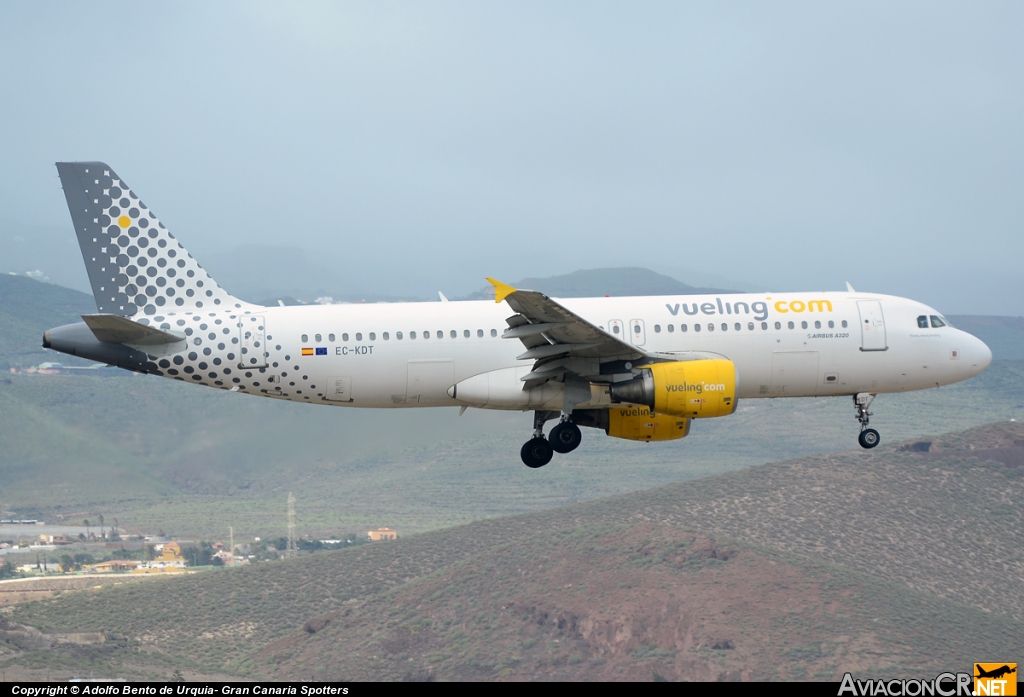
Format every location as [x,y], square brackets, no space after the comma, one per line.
[634,422]
[694,389]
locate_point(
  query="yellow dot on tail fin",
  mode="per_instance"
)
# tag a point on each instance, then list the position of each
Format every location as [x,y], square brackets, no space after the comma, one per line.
[501,290]
[124,221]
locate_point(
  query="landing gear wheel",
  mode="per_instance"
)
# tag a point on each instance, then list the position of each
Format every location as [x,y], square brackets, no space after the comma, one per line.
[536,453]
[868,438]
[565,437]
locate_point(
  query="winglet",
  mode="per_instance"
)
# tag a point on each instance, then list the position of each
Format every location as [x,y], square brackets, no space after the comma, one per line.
[501,290]
[849,288]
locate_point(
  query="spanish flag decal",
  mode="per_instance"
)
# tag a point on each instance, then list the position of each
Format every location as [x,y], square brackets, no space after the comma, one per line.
[307,351]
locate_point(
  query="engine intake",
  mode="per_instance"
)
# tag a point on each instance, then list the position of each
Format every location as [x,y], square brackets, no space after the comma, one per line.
[699,389]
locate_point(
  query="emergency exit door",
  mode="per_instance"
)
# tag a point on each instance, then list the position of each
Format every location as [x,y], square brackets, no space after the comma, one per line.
[637,332]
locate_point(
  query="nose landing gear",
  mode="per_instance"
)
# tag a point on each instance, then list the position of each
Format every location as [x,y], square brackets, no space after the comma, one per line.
[564,438]
[868,437]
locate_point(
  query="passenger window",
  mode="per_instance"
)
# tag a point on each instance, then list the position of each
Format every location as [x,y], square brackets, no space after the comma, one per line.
[750,326]
[426,335]
[615,329]
[803,325]
[398,336]
[657,329]
[831,324]
[454,334]
[305,338]
[465,333]
[359,336]
[672,328]
[330,337]
[844,324]
[817,324]
[440,334]
[682,327]
[778,325]
[696,327]
[373,336]
[494,333]
[764,325]
[922,321]
[738,326]
[792,326]
[711,327]
[344,337]
[936,322]
[317,337]
[725,327]
[480,333]
[385,336]
[412,335]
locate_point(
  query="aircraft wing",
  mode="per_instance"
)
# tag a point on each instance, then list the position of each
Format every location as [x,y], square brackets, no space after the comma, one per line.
[560,341]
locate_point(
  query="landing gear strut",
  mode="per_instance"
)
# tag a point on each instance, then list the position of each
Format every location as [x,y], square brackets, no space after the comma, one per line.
[868,437]
[537,452]
[564,438]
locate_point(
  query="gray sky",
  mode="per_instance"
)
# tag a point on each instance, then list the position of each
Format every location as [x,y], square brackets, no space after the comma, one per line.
[416,146]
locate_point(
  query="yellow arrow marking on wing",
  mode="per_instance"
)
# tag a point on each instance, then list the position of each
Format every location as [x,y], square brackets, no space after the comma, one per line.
[501,290]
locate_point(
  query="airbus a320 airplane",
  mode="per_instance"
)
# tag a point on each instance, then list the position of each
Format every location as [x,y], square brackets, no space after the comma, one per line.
[639,368]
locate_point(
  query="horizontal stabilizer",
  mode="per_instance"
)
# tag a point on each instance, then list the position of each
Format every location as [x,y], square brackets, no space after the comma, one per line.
[114,329]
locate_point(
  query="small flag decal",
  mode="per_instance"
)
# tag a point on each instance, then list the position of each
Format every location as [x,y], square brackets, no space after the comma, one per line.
[307,351]
[321,350]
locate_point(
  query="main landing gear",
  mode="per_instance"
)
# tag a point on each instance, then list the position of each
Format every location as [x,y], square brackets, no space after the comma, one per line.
[564,438]
[868,437]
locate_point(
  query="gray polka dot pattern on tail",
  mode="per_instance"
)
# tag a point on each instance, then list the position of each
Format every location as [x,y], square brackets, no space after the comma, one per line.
[135,265]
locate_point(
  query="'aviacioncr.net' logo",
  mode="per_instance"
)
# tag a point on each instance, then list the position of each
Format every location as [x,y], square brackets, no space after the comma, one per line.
[995,679]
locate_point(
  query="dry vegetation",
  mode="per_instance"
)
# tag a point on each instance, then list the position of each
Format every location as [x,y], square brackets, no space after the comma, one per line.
[905,558]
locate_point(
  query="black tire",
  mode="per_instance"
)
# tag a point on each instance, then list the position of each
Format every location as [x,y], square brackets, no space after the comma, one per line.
[536,453]
[868,438]
[565,437]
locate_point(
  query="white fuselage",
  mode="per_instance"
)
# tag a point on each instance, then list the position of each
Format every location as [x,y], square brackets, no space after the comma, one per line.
[410,354]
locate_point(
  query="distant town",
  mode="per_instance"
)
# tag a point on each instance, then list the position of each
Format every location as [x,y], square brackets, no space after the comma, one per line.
[31,548]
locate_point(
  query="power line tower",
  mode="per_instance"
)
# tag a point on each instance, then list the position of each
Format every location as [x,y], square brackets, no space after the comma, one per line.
[291,551]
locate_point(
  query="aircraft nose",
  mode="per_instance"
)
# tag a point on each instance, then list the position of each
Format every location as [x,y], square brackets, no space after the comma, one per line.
[979,354]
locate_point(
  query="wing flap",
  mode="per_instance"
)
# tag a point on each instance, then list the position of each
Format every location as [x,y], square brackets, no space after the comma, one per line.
[548,329]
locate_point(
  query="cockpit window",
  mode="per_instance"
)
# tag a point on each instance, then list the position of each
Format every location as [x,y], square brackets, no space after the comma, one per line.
[937,322]
[922,322]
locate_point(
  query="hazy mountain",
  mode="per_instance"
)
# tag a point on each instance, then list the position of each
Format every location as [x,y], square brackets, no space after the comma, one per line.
[774,572]
[28,308]
[48,252]
[600,282]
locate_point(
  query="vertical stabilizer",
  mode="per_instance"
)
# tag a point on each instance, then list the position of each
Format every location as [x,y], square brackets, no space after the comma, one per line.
[135,264]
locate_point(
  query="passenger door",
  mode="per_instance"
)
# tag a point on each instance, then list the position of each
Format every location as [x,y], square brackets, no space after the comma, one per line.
[252,341]
[872,326]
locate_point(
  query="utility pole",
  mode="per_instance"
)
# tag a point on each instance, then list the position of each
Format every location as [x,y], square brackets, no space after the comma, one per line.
[291,551]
